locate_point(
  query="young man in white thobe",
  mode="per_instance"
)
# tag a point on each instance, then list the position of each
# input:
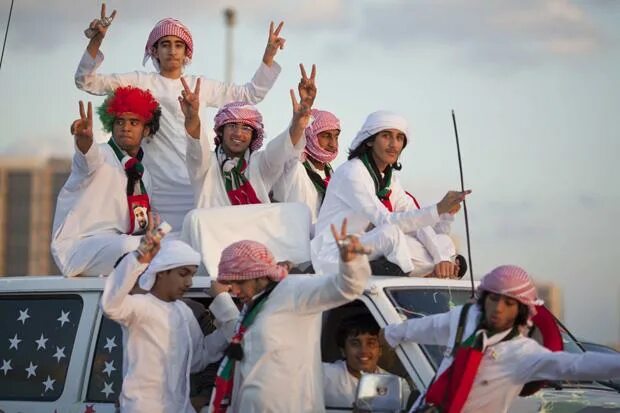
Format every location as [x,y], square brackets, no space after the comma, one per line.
[236,172]
[305,180]
[170,46]
[103,206]
[274,361]
[162,341]
[495,326]
[358,340]
[366,192]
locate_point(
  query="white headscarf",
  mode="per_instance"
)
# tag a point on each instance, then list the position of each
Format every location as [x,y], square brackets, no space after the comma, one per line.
[173,254]
[378,121]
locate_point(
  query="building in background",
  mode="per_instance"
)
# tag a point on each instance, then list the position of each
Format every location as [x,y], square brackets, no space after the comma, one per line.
[551,294]
[29,187]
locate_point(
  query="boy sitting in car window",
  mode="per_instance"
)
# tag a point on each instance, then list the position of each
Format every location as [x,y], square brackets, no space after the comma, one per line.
[358,340]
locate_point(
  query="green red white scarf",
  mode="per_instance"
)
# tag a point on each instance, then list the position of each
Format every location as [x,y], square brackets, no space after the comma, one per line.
[224,381]
[238,186]
[382,182]
[137,197]
[450,390]
[320,184]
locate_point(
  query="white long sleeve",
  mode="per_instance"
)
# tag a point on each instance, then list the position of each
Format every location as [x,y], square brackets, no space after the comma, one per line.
[116,302]
[431,329]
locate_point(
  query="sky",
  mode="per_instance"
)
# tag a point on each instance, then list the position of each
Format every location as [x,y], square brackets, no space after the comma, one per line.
[534,85]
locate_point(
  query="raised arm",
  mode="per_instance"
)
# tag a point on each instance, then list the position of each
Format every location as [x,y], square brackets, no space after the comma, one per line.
[289,144]
[87,157]
[323,292]
[116,302]
[86,76]
[97,30]
[198,151]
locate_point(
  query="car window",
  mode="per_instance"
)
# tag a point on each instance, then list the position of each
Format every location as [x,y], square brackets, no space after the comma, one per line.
[37,334]
[106,373]
[332,358]
[420,302]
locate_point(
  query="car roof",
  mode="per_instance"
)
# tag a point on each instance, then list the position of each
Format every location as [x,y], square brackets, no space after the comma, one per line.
[54,283]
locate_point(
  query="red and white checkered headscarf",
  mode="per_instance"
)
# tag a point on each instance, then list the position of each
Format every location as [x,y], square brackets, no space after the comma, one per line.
[246,260]
[514,282]
[168,27]
[323,121]
[240,112]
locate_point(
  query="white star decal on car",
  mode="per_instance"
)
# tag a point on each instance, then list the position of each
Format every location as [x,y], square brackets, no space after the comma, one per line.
[32,370]
[109,367]
[107,389]
[64,317]
[49,384]
[14,342]
[109,343]
[23,316]
[41,342]
[60,353]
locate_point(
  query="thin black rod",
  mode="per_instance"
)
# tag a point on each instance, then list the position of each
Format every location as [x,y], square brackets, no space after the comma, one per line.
[458,151]
[6,33]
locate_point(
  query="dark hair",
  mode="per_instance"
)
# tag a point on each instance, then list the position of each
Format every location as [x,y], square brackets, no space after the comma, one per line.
[354,326]
[153,125]
[523,313]
[363,148]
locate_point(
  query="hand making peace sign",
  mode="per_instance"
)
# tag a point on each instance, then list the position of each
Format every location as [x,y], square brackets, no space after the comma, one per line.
[99,27]
[82,128]
[307,94]
[274,43]
[190,106]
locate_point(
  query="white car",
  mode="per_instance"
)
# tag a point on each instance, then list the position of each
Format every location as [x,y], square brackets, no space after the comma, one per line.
[59,354]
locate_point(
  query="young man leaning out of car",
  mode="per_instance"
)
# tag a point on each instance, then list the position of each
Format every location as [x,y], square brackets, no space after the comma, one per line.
[162,340]
[493,361]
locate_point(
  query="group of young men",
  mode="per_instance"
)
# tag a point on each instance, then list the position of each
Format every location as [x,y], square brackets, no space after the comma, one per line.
[159,159]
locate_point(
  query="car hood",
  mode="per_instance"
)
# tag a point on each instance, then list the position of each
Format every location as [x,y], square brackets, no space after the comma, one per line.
[569,400]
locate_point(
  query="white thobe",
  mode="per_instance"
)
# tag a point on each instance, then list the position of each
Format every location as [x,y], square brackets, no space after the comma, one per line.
[408,237]
[172,194]
[264,168]
[296,186]
[162,342]
[505,366]
[341,386]
[92,214]
[281,368]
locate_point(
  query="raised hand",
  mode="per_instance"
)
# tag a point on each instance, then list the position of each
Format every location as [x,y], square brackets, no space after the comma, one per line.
[307,86]
[274,43]
[349,245]
[150,244]
[99,27]
[190,106]
[451,200]
[82,128]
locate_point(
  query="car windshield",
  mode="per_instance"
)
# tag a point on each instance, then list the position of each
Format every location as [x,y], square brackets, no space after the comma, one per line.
[419,302]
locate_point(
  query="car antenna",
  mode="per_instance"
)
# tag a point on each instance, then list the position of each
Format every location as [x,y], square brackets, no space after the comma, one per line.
[458,151]
[6,33]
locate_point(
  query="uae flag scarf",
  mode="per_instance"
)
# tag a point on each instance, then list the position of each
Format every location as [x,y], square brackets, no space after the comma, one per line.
[238,186]
[137,197]
[224,381]
[449,391]
[319,183]
[382,183]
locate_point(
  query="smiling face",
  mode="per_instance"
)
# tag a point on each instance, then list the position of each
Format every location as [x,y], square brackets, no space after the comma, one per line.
[170,51]
[500,312]
[171,284]
[386,147]
[236,138]
[128,130]
[362,353]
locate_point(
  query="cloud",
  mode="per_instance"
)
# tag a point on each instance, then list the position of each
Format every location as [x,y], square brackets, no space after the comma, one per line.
[499,31]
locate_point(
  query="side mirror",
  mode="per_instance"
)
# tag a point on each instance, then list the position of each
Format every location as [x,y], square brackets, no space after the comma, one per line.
[378,393]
